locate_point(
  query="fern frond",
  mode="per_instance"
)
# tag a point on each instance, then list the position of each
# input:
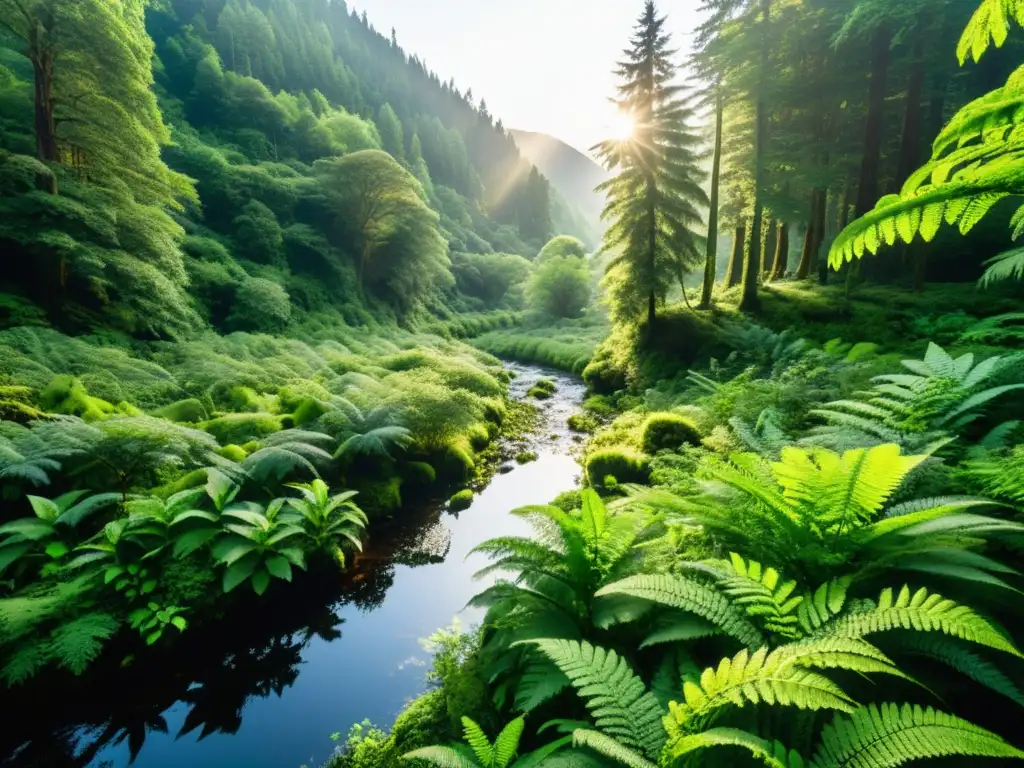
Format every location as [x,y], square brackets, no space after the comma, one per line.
[890,735]
[541,681]
[923,612]
[762,594]
[443,757]
[478,742]
[617,699]
[507,743]
[689,595]
[988,26]
[772,754]
[610,748]
[75,644]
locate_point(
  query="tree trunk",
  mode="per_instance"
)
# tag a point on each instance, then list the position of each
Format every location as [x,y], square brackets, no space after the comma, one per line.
[910,143]
[710,259]
[867,188]
[652,252]
[751,275]
[781,262]
[47,150]
[807,254]
[734,273]
[817,261]
[770,244]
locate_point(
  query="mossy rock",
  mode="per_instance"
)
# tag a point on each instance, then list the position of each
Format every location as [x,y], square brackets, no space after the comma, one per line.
[668,431]
[244,400]
[479,437]
[240,428]
[494,410]
[461,500]
[623,464]
[379,497]
[418,473]
[190,411]
[525,457]
[583,423]
[235,453]
[546,384]
[67,395]
[538,393]
[454,464]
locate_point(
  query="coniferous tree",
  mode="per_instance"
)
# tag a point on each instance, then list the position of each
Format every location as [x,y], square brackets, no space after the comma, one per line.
[655,195]
[390,129]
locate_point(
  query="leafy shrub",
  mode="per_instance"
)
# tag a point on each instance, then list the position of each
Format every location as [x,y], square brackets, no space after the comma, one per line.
[461,500]
[582,422]
[67,395]
[560,286]
[189,411]
[239,428]
[260,305]
[600,405]
[624,464]
[668,431]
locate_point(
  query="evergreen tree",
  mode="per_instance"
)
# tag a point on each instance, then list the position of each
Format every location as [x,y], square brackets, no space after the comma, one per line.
[654,198]
[390,129]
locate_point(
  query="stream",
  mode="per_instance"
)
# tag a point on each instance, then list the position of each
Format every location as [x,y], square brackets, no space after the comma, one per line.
[271,694]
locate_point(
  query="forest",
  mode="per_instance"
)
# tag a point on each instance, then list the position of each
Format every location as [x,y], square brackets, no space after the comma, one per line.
[277,299]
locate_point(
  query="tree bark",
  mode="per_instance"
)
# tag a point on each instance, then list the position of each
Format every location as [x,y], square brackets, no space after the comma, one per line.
[652,252]
[734,273]
[710,259]
[47,150]
[770,244]
[807,253]
[867,188]
[751,275]
[781,262]
[910,143]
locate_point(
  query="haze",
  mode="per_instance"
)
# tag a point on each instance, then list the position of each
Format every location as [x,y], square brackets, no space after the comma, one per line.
[542,65]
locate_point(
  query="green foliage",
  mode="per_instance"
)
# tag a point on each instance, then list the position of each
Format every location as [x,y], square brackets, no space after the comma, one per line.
[625,465]
[238,428]
[562,246]
[668,430]
[260,305]
[461,500]
[559,287]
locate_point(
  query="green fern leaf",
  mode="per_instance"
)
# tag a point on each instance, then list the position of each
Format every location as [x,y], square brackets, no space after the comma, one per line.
[890,735]
[507,743]
[76,643]
[923,612]
[772,754]
[478,742]
[609,747]
[541,681]
[689,595]
[988,26]
[617,699]
[25,662]
[443,757]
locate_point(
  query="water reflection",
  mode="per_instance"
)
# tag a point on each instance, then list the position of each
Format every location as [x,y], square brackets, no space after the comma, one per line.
[267,684]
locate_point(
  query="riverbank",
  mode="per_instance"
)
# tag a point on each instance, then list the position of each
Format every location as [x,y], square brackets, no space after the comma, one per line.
[271,689]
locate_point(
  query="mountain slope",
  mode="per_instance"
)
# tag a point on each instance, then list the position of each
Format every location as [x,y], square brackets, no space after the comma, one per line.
[571,172]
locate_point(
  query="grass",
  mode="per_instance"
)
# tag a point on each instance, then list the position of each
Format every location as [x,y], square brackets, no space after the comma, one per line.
[568,345]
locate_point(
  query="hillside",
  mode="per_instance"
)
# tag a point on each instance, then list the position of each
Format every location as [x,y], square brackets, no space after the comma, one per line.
[571,172]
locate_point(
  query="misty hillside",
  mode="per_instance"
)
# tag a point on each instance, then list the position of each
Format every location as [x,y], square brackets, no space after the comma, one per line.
[571,172]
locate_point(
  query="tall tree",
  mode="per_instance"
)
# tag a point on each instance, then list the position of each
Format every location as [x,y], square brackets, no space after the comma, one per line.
[95,109]
[390,129]
[654,197]
[710,267]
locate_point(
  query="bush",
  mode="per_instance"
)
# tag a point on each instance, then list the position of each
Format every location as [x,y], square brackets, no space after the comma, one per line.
[233,452]
[625,465]
[461,500]
[260,305]
[67,395]
[600,405]
[188,411]
[418,473]
[239,428]
[668,431]
[560,286]
[379,496]
[581,422]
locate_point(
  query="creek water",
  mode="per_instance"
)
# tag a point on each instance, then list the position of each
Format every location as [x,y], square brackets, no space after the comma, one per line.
[271,696]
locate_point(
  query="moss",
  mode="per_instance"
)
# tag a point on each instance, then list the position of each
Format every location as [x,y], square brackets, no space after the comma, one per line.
[67,395]
[547,385]
[242,427]
[418,473]
[479,437]
[538,394]
[251,447]
[233,452]
[599,405]
[190,411]
[379,497]
[454,464]
[461,500]
[668,431]
[306,411]
[582,422]
[192,479]
[495,410]
[623,464]
[525,457]
[16,404]
[244,399]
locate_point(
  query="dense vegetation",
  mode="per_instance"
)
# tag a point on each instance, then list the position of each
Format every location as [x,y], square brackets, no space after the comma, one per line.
[263,264]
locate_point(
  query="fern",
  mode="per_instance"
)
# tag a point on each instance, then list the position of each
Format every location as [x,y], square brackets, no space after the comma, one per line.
[1005,266]
[689,595]
[618,700]
[763,595]
[609,747]
[75,644]
[989,25]
[890,735]
[443,757]
[772,754]
[923,612]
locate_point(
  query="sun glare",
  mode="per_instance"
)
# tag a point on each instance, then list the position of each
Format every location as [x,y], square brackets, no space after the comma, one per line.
[621,126]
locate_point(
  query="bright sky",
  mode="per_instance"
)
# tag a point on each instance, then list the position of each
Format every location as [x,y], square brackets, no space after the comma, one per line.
[542,65]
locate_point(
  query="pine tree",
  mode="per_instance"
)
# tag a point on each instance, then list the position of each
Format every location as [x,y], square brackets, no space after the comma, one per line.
[654,198]
[390,129]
